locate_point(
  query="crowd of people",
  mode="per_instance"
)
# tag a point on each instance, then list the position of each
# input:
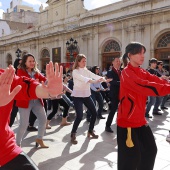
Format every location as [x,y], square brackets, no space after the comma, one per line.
[31,93]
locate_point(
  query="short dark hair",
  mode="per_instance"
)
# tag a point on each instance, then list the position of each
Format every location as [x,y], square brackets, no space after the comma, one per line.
[153,60]
[115,58]
[160,63]
[134,48]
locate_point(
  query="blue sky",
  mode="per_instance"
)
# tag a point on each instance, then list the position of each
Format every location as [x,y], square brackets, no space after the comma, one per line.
[89,4]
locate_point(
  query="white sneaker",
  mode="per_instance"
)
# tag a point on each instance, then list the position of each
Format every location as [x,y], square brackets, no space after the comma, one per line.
[168,137]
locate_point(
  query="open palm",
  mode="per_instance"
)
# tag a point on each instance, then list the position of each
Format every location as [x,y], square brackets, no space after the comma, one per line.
[54,86]
[6,79]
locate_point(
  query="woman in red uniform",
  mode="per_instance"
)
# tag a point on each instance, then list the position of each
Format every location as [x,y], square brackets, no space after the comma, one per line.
[16,88]
[28,69]
[136,144]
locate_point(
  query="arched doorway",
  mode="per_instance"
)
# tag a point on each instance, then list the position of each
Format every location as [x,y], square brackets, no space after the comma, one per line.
[111,49]
[45,59]
[162,49]
[9,59]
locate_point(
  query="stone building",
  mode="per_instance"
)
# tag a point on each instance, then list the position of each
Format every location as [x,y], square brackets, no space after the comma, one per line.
[101,33]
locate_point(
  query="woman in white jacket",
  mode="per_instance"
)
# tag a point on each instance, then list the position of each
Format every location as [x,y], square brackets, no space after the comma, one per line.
[82,78]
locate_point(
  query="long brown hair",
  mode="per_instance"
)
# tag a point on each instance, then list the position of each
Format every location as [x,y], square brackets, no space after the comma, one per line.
[79,57]
[24,59]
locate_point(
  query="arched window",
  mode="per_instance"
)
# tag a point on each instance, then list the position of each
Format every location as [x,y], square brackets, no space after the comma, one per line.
[112,46]
[164,41]
[162,50]
[45,59]
[9,59]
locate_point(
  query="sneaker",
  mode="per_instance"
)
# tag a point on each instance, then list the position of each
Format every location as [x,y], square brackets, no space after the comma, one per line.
[148,116]
[164,108]
[31,129]
[168,138]
[100,117]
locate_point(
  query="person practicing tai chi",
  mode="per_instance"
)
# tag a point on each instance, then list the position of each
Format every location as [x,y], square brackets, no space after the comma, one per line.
[21,88]
[136,144]
[82,78]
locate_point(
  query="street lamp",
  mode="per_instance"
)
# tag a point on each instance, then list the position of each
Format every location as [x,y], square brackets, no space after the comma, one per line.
[18,53]
[71,47]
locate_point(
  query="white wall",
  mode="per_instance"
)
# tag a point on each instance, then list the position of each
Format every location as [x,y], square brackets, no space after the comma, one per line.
[5,27]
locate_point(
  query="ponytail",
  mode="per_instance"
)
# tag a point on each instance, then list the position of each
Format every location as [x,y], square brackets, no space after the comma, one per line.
[125,60]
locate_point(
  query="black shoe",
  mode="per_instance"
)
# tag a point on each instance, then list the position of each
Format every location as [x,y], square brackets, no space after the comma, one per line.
[148,116]
[108,129]
[31,129]
[164,108]
[104,110]
[159,110]
[101,117]
[157,113]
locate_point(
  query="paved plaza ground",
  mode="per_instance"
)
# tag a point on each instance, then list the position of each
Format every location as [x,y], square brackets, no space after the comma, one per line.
[91,154]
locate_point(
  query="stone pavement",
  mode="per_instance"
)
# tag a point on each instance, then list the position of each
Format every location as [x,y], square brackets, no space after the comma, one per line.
[90,154]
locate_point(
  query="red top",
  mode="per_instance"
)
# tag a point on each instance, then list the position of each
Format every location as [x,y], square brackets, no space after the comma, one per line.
[136,84]
[8,148]
[38,76]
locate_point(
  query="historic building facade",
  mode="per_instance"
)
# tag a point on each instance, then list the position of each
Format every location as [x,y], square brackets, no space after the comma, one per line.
[100,34]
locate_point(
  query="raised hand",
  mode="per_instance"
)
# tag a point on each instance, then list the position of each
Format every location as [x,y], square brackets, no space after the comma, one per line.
[54,77]
[6,79]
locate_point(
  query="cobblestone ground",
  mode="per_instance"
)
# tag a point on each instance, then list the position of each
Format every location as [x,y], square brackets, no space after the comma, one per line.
[90,154]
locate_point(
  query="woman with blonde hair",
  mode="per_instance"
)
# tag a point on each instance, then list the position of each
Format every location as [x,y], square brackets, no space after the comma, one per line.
[82,78]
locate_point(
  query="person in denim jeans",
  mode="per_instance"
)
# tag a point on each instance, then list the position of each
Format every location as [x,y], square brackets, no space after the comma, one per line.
[96,96]
[82,78]
[28,68]
[153,100]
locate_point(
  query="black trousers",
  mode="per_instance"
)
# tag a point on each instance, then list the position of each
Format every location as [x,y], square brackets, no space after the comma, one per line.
[55,104]
[21,162]
[78,104]
[142,155]
[96,97]
[114,106]
[13,113]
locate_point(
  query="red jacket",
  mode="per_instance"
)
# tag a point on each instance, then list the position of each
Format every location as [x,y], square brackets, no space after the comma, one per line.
[38,76]
[8,148]
[136,84]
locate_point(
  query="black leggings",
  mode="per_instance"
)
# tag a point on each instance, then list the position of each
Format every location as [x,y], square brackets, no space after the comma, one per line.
[142,155]
[21,162]
[55,104]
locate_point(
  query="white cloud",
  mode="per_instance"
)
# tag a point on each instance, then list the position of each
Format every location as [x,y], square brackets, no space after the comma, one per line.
[1,12]
[0,4]
[97,3]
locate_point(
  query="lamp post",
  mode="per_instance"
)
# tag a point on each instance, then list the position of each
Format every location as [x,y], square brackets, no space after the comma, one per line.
[71,47]
[18,53]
